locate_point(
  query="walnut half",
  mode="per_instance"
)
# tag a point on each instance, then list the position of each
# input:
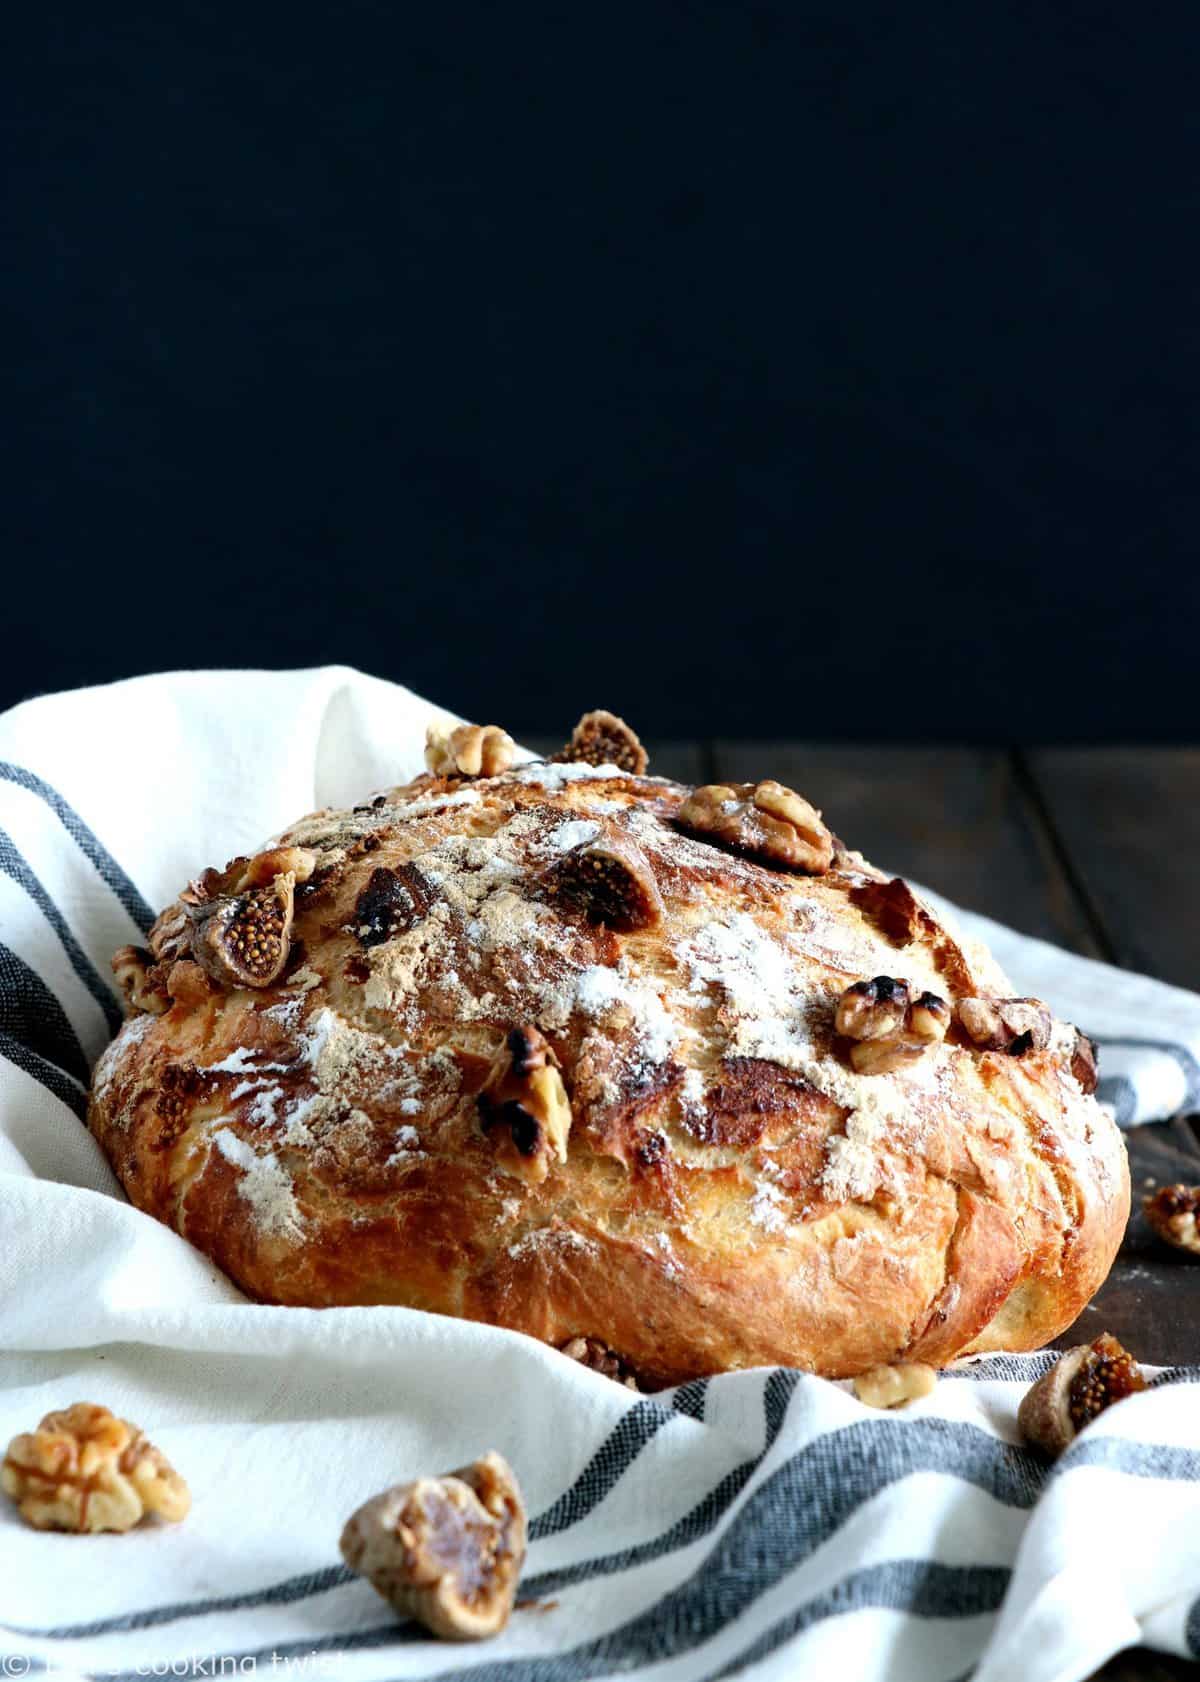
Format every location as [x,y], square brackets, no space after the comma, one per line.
[766,821]
[1078,1387]
[85,1470]
[1011,1025]
[888,1027]
[524,1108]
[1173,1213]
[590,1352]
[142,990]
[446,1551]
[468,750]
[895,1386]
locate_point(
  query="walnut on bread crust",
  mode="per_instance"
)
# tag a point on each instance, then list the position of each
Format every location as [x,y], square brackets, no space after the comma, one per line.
[888,1027]
[896,1385]
[1014,1026]
[85,1470]
[766,821]
[468,750]
[1076,1390]
[601,738]
[141,989]
[524,1109]
[446,1551]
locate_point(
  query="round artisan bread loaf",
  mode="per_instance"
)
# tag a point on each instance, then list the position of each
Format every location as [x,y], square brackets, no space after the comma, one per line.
[663,1075]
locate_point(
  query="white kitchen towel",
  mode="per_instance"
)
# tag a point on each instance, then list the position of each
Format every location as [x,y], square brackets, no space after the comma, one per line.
[763,1523]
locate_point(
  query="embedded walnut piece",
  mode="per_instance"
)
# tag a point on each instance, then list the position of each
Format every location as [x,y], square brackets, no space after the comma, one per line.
[888,1027]
[1078,1387]
[1012,1025]
[446,1551]
[141,990]
[170,934]
[263,868]
[242,940]
[611,880]
[1084,1064]
[1173,1212]
[598,1357]
[468,750]
[895,1386]
[85,1470]
[766,821]
[601,738]
[524,1109]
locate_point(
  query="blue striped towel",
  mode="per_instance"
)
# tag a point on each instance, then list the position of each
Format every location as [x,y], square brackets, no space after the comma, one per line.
[761,1523]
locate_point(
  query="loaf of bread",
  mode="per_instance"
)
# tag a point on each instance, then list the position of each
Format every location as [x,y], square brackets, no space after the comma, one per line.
[666,1076]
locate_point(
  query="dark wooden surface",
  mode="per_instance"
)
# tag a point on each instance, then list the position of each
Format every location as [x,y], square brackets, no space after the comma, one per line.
[1094,849]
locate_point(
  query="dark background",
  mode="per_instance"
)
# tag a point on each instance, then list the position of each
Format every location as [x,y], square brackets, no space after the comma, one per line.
[774,369]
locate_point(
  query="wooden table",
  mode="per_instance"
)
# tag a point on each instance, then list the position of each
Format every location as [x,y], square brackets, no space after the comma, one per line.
[1094,849]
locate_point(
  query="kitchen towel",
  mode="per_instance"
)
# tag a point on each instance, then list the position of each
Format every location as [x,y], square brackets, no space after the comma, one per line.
[762,1523]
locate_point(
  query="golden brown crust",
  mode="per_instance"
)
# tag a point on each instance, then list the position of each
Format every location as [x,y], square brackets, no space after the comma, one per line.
[723,1190]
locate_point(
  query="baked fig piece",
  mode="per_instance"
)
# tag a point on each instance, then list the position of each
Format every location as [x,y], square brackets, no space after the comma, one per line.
[523,1107]
[601,738]
[1076,1390]
[446,1551]
[766,821]
[242,940]
[1084,1063]
[611,880]
[1173,1213]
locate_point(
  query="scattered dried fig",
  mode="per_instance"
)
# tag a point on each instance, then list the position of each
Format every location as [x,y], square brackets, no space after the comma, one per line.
[1078,1387]
[446,1551]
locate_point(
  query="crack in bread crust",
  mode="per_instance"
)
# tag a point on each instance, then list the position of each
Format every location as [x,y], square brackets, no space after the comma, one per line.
[732,1193]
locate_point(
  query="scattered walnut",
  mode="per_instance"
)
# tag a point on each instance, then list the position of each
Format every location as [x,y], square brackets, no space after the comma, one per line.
[1084,1062]
[1012,1025]
[523,1106]
[765,820]
[1173,1212]
[1078,1387]
[446,1551]
[612,881]
[895,1386]
[468,750]
[142,990]
[170,934]
[242,940]
[601,738]
[85,1470]
[590,1352]
[890,1029]
[263,868]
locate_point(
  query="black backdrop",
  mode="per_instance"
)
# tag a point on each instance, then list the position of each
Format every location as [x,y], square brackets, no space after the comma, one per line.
[757,369]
